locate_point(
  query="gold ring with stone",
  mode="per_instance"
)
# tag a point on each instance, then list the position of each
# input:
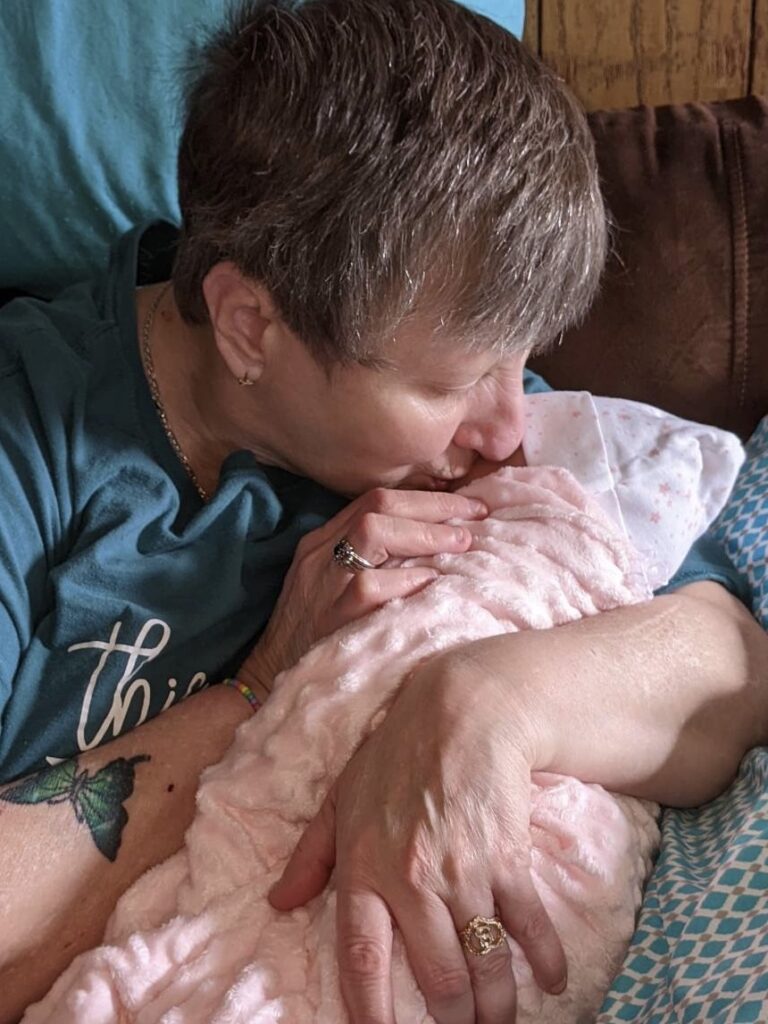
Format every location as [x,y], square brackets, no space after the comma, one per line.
[482,935]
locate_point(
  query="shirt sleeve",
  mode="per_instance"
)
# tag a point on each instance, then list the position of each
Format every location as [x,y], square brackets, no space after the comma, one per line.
[707,560]
[533,384]
[29,521]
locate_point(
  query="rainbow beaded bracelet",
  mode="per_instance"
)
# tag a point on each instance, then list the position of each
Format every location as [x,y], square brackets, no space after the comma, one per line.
[246,691]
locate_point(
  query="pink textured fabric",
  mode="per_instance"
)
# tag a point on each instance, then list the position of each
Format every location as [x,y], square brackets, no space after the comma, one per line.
[196,940]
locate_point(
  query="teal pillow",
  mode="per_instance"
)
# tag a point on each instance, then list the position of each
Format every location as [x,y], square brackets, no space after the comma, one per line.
[509,13]
[89,122]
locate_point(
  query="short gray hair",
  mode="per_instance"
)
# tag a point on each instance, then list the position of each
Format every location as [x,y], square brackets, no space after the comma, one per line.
[373,160]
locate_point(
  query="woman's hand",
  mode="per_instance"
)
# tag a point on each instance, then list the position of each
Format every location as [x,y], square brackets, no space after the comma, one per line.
[319,596]
[428,826]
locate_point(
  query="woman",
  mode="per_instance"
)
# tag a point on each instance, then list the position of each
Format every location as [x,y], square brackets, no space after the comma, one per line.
[386,206]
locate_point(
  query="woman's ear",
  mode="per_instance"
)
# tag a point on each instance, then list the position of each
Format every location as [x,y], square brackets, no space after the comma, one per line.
[243,318]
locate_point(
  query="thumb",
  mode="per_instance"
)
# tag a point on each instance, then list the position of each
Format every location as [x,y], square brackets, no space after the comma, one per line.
[307,872]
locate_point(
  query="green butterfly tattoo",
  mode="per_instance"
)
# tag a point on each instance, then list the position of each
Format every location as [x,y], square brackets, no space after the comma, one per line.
[97,799]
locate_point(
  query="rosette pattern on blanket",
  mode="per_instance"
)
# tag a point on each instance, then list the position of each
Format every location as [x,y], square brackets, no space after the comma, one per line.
[196,940]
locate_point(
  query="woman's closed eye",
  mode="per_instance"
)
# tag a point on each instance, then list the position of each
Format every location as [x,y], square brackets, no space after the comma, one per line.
[452,390]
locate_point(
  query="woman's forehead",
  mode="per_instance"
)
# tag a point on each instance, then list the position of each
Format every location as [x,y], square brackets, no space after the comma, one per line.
[420,353]
[421,346]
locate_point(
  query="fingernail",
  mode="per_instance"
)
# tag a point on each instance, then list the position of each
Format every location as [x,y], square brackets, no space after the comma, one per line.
[479,508]
[462,535]
[559,989]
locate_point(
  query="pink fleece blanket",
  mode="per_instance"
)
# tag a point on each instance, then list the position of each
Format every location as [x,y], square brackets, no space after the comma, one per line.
[196,940]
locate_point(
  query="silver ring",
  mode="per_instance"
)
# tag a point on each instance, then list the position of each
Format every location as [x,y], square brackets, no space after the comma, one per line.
[346,556]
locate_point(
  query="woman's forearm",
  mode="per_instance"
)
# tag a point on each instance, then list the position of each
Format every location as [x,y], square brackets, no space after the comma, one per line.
[61,875]
[659,700]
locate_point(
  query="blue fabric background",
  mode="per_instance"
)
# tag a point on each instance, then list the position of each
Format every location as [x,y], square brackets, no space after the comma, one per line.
[88,125]
[509,13]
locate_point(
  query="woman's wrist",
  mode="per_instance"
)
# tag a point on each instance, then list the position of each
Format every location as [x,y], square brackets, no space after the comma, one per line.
[245,691]
[229,703]
[256,674]
[491,684]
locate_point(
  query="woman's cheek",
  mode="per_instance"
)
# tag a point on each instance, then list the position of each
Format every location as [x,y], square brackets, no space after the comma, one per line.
[422,436]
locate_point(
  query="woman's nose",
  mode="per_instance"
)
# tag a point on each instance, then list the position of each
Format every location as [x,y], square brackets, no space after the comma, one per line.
[495,432]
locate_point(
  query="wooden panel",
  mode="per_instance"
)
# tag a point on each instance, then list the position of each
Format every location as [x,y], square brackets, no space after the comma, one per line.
[617,53]
[760,49]
[531,36]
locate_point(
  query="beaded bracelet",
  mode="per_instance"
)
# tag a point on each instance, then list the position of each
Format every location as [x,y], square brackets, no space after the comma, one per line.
[246,691]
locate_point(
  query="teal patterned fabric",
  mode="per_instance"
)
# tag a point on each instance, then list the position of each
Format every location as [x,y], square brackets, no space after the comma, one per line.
[743,525]
[700,952]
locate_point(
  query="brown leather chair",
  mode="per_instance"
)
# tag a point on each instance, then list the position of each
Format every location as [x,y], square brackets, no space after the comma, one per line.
[682,319]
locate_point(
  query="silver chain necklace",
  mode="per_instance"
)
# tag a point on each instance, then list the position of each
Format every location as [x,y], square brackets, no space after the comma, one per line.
[154,390]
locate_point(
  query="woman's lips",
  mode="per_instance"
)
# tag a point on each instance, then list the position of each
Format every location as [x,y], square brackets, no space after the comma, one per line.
[437,481]
[451,483]
[426,482]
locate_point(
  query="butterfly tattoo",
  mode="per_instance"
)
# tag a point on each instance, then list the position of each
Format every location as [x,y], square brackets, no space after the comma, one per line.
[97,799]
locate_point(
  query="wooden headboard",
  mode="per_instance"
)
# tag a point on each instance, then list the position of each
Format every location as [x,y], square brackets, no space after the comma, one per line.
[620,53]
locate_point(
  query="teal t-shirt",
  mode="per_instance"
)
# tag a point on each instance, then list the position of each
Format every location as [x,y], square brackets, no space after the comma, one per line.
[120,592]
